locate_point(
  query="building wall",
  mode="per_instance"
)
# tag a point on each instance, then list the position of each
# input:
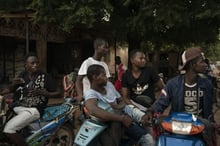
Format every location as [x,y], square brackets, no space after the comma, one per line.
[12,53]
[121,51]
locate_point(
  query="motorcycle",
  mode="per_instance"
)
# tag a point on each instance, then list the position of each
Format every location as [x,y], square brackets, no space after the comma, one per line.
[55,127]
[179,128]
[92,127]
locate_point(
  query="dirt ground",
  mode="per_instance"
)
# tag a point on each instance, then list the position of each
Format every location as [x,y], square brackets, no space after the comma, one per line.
[215,110]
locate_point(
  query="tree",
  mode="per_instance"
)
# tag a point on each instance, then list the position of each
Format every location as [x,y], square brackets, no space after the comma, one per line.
[163,23]
[175,22]
[14,5]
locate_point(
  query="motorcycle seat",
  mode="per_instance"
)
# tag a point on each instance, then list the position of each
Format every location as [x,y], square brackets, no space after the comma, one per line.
[53,112]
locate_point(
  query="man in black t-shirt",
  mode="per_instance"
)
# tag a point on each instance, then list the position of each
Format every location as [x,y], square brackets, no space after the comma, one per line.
[34,88]
[139,81]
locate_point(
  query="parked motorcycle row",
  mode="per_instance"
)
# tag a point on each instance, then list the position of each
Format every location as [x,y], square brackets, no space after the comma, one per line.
[56,126]
[179,129]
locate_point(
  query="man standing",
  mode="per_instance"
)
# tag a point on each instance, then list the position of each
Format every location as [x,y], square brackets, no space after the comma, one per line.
[100,50]
[82,83]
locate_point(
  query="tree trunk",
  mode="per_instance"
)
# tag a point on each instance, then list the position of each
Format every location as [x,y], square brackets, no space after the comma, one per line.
[134,42]
[156,60]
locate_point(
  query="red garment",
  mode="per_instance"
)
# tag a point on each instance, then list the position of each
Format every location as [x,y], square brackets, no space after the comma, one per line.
[120,72]
[117,85]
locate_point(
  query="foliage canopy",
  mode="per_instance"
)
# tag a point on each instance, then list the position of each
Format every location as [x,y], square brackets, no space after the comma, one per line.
[162,23]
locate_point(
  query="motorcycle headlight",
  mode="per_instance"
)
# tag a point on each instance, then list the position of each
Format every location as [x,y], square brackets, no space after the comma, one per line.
[180,127]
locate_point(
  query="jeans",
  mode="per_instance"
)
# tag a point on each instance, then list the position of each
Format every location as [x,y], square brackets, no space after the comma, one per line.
[138,134]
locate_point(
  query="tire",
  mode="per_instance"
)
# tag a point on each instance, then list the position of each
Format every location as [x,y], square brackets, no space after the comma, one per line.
[62,137]
[4,141]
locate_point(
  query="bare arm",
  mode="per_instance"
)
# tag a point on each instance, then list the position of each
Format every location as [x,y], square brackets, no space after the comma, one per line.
[49,90]
[94,110]
[125,94]
[5,90]
[119,105]
[11,87]
[79,87]
[66,86]
[56,93]
[159,84]
[126,98]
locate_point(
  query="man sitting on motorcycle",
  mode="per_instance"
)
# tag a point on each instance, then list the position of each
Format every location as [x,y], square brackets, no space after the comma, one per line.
[103,90]
[189,92]
[34,87]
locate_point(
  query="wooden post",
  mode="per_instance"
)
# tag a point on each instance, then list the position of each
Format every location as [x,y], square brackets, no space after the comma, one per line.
[27,34]
[41,46]
[156,60]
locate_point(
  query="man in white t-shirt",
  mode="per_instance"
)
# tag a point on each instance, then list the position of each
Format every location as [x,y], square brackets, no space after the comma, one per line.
[100,50]
[118,116]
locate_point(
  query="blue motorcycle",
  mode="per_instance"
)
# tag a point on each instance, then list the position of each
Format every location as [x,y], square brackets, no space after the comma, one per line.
[92,127]
[180,129]
[54,128]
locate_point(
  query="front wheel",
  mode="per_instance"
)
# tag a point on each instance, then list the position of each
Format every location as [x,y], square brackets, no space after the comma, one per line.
[62,137]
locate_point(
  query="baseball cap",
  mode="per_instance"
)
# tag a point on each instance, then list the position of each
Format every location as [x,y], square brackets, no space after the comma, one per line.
[190,54]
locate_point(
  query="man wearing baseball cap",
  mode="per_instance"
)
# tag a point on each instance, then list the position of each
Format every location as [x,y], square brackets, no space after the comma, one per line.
[188,92]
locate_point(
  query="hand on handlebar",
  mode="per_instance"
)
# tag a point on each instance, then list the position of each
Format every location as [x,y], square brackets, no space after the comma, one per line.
[4,91]
[147,119]
[17,81]
[127,121]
